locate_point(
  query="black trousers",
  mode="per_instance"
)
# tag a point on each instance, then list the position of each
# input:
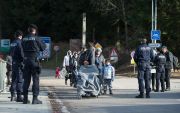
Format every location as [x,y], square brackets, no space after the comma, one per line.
[160,79]
[144,77]
[153,80]
[17,79]
[31,71]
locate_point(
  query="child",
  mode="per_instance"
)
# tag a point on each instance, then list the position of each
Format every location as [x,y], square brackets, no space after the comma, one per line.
[57,72]
[108,76]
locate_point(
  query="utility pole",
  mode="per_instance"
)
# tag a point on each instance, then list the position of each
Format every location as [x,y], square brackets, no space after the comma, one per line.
[154,17]
[84,30]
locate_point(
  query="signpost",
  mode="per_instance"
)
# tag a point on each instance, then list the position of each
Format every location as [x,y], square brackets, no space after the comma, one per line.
[155,34]
[154,22]
[132,61]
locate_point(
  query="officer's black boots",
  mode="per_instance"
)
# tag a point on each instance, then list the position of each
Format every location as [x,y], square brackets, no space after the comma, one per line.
[141,95]
[162,90]
[26,101]
[167,89]
[19,98]
[156,90]
[36,100]
[147,95]
[13,97]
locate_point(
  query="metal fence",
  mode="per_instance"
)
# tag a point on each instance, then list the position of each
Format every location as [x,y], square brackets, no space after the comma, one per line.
[2,75]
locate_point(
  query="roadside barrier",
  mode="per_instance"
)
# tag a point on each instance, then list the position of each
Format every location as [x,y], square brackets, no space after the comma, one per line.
[3,78]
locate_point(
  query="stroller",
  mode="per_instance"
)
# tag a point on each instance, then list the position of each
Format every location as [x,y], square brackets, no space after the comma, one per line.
[88,83]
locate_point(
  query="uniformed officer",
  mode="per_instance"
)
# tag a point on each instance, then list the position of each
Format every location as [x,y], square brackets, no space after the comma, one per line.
[143,56]
[16,51]
[160,61]
[153,74]
[32,46]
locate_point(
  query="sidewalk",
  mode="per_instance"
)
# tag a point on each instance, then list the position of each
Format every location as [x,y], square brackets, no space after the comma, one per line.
[13,107]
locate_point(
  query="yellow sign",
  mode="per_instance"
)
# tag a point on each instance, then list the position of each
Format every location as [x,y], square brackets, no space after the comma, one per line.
[98,45]
[132,61]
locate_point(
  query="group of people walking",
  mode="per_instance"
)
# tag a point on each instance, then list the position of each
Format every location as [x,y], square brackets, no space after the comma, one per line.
[25,65]
[163,61]
[91,56]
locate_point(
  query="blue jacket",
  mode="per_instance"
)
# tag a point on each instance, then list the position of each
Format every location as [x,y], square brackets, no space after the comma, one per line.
[108,72]
[32,46]
[143,54]
[160,59]
[16,51]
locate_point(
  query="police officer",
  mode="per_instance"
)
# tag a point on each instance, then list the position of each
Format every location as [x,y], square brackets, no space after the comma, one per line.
[160,61]
[143,56]
[168,66]
[16,51]
[153,74]
[32,46]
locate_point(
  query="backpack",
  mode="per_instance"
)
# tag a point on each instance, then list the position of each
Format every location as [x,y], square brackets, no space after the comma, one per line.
[175,61]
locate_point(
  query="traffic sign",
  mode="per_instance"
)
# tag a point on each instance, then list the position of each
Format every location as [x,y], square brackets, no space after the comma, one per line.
[155,35]
[4,45]
[114,56]
[154,45]
[47,52]
[132,54]
[98,45]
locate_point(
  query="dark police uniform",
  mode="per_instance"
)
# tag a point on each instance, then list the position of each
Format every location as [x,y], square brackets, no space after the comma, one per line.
[17,54]
[142,57]
[31,46]
[153,66]
[160,61]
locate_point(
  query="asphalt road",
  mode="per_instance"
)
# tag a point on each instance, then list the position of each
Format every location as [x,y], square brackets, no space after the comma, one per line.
[123,101]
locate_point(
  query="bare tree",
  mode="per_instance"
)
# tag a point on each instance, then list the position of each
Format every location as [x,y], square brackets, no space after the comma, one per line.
[115,7]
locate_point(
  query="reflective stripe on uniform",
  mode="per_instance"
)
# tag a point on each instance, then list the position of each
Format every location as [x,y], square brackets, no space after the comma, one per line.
[29,39]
